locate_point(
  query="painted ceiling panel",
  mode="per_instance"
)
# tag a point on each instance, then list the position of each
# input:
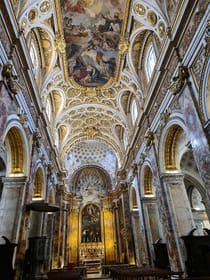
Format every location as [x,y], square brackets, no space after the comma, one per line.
[90,53]
[92,31]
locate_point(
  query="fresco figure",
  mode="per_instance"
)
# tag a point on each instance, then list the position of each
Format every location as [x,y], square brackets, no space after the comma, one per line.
[92,33]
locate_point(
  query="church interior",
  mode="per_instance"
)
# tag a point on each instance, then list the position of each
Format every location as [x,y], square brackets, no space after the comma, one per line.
[104,139]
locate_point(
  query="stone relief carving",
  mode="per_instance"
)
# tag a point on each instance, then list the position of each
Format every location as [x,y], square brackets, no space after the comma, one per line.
[10,79]
[179,81]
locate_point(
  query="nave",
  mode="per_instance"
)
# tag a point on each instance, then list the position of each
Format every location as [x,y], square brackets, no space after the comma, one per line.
[104,139]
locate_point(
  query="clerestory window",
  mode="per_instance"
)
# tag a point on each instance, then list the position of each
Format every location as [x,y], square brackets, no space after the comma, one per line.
[150,62]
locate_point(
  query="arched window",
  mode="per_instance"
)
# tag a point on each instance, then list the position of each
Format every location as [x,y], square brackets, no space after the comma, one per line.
[34,58]
[150,62]
[125,140]
[48,109]
[134,111]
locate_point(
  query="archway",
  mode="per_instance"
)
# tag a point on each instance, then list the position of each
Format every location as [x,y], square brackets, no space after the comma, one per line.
[91,238]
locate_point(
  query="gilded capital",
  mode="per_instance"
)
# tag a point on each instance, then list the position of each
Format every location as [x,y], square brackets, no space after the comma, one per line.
[123,46]
[60,44]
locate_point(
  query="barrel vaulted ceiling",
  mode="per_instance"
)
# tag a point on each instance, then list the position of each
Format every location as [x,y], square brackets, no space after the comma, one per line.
[89,55]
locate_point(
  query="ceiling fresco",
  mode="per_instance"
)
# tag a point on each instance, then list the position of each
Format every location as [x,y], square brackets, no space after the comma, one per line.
[92,32]
[91,56]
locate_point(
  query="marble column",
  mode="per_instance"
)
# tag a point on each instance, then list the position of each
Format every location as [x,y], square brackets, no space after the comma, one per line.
[165,218]
[196,135]
[180,209]
[64,228]
[11,207]
[128,226]
[152,223]
[180,213]
[11,212]
[138,239]
[118,247]
[49,234]
[56,261]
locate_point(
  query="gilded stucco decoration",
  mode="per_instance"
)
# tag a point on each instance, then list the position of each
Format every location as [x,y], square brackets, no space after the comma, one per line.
[170,147]
[139,9]
[197,67]
[32,15]
[91,151]
[148,21]
[17,152]
[70,48]
[91,181]
[147,181]
[92,34]
[45,6]
[38,184]
[152,18]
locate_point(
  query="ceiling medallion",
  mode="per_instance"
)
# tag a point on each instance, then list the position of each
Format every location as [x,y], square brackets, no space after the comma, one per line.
[90,92]
[91,132]
[45,6]
[60,44]
[161,29]
[32,15]
[139,9]
[152,18]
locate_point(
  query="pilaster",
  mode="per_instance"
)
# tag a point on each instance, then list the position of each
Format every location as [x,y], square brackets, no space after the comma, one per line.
[196,135]
[128,226]
[11,206]
[167,222]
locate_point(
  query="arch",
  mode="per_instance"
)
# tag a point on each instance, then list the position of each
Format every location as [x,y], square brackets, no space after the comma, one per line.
[39,184]
[205,93]
[92,179]
[141,39]
[2,173]
[17,150]
[198,202]
[147,180]
[44,42]
[134,204]
[180,145]
[170,153]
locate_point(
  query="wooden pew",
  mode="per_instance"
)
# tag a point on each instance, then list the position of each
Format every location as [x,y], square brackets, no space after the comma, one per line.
[143,274]
[64,275]
[106,269]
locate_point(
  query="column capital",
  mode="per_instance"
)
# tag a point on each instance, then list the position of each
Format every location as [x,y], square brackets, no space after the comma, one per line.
[172,177]
[14,180]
